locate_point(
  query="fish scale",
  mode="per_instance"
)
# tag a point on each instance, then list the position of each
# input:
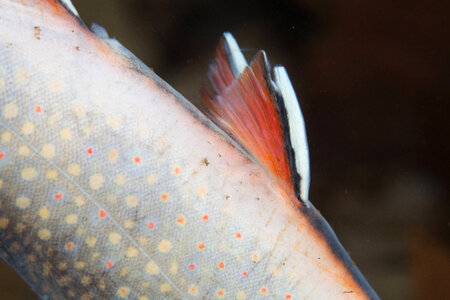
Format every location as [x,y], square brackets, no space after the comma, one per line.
[113,186]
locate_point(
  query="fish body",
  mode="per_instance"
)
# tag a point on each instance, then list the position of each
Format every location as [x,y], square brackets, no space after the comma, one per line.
[113,186]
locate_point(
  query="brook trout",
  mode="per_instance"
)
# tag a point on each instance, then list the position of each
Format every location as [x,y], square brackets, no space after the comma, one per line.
[113,186]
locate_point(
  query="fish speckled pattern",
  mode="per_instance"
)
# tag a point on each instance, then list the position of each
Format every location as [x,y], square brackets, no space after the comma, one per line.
[113,187]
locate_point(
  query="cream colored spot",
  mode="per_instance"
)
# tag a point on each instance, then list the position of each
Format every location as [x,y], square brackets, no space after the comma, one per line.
[1,183]
[173,268]
[74,169]
[44,234]
[10,111]
[102,286]
[202,191]
[27,128]
[62,266]
[114,238]
[79,110]
[48,150]
[124,271]
[131,201]
[55,117]
[23,151]
[120,179]
[2,84]
[151,268]
[72,219]
[6,137]
[123,292]
[85,280]
[165,287]
[55,85]
[29,173]
[52,174]
[80,231]
[65,134]
[44,213]
[95,256]
[129,224]
[113,156]
[86,296]
[193,290]
[79,200]
[164,246]
[151,179]
[131,252]
[113,122]
[80,265]
[144,298]
[91,240]
[23,202]
[21,75]
[4,223]
[96,181]
[241,295]
[142,240]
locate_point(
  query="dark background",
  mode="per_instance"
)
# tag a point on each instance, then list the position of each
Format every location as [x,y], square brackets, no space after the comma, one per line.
[373,82]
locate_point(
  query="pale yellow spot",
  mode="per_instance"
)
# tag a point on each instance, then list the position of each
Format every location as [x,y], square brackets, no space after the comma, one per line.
[241,295]
[165,287]
[79,200]
[27,128]
[164,246]
[55,85]
[114,238]
[23,202]
[44,234]
[144,298]
[129,224]
[21,75]
[72,219]
[86,296]
[55,117]
[52,174]
[142,240]
[151,268]
[6,137]
[44,213]
[4,223]
[193,290]
[80,231]
[29,173]
[88,129]
[120,179]
[10,111]
[48,150]
[65,134]
[113,122]
[113,156]
[202,191]
[123,292]
[131,252]
[1,183]
[62,266]
[85,280]
[91,240]
[102,286]
[23,151]
[79,110]
[131,201]
[95,256]
[2,84]
[80,265]
[74,169]
[151,179]
[255,257]
[173,268]
[96,181]
[124,271]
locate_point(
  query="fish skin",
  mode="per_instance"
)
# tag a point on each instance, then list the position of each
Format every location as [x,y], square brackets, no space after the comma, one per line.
[113,186]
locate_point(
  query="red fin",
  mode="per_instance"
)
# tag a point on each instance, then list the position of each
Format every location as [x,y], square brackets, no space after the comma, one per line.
[246,108]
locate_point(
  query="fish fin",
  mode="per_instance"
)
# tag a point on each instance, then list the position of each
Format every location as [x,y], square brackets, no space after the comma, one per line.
[69,6]
[262,115]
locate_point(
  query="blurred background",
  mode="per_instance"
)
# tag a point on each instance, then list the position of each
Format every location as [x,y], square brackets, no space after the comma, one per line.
[373,82]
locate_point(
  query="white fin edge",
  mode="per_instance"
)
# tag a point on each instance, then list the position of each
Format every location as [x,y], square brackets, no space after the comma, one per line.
[297,129]
[68,4]
[237,59]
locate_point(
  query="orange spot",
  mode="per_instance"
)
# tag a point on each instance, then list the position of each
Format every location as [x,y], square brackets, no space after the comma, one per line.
[102,214]
[288,296]
[237,235]
[137,159]
[220,293]
[150,225]
[205,218]
[38,108]
[177,170]
[69,246]
[2,155]
[201,246]
[108,264]
[89,150]
[191,266]
[221,265]
[263,290]
[244,273]
[164,196]
[180,219]
[58,196]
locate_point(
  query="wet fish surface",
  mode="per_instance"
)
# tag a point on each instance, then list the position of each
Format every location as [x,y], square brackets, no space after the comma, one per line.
[113,186]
